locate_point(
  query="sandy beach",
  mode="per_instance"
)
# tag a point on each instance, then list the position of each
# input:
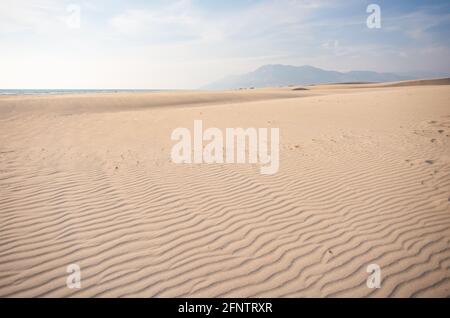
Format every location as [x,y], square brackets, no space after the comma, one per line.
[364,178]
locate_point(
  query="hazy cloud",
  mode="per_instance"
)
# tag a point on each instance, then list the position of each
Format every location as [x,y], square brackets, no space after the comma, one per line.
[186,44]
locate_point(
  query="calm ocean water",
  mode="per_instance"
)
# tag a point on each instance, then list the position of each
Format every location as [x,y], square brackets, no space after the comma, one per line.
[71,91]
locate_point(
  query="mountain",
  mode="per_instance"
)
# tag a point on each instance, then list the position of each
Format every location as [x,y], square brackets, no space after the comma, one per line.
[283,75]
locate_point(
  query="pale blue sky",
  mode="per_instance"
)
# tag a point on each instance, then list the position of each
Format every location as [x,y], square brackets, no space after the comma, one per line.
[186,44]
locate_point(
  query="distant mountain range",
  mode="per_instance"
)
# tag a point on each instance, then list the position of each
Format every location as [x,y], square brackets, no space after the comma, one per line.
[284,75]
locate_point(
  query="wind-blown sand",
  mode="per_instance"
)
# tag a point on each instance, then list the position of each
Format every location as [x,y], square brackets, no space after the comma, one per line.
[364,178]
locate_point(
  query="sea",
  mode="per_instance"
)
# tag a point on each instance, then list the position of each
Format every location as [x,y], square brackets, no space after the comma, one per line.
[73,91]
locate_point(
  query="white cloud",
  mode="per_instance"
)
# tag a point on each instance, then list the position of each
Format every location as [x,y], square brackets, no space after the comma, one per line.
[183,44]
[416,25]
[168,23]
[30,16]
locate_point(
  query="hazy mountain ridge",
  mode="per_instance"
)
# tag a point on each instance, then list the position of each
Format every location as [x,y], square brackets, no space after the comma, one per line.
[283,75]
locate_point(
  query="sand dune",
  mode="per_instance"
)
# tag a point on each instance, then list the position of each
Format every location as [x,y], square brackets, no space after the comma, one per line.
[113,102]
[429,82]
[363,179]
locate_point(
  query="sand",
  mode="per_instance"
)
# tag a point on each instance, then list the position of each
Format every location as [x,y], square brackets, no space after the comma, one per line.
[363,179]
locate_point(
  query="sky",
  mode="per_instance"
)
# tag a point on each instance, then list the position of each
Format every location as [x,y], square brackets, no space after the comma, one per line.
[185,44]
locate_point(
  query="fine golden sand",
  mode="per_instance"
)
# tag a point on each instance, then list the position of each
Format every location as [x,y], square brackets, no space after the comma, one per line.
[364,178]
